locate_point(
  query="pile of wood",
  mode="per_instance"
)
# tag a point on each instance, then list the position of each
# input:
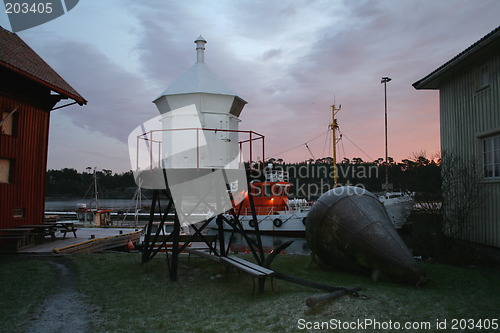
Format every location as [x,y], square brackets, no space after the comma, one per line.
[100,244]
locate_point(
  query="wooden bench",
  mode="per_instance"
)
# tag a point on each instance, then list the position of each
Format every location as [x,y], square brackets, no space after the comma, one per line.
[251,268]
[204,253]
[247,266]
[183,239]
[240,264]
[15,239]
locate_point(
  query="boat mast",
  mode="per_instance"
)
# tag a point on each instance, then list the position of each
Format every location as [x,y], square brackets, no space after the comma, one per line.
[96,193]
[386,79]
[334,127]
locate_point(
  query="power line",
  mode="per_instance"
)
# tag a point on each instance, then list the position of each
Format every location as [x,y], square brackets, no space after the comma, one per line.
[342,142]
[358,147]
[302,144]
[327,138]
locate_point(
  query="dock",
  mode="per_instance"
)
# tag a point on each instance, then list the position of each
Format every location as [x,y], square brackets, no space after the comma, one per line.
[88,239]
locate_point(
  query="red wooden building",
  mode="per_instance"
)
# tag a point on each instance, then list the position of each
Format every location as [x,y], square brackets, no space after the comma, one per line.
[29,90]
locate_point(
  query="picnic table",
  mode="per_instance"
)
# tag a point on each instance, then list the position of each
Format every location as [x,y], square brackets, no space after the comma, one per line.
[41,230]
[64,227]
[50,229]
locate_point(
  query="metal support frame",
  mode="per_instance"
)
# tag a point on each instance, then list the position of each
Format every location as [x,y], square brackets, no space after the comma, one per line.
[155,242]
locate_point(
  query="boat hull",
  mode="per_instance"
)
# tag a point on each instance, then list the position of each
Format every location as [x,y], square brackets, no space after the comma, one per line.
[398,208]
[286,224]
[348,227]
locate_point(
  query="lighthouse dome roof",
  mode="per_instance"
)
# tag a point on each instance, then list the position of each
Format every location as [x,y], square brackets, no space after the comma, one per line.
[199,78]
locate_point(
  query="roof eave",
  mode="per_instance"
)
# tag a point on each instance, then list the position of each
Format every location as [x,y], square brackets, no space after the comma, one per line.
[77,98]
[198,92]
[432,81]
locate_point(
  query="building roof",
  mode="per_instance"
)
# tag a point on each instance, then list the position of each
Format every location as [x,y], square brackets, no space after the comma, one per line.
[432,81]
[17,56]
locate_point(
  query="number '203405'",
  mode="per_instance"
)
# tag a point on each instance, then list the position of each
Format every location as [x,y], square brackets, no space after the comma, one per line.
[25,8]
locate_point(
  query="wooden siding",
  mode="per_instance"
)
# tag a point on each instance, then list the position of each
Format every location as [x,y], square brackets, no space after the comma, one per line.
[467,114]
[27,149]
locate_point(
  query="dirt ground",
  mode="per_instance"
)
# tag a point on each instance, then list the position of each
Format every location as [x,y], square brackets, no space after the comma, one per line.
[66,309]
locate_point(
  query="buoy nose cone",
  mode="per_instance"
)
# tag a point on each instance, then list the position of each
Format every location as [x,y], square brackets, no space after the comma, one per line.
[349,227]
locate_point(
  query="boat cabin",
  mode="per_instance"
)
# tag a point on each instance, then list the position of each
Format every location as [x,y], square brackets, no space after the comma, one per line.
[270,196]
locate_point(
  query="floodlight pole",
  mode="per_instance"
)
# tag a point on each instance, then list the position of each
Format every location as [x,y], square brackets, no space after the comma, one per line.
[386,79]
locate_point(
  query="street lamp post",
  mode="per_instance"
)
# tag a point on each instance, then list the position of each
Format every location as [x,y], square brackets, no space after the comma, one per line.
[386,79]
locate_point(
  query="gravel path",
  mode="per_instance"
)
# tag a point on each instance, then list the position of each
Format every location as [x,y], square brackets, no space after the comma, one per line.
[66,309]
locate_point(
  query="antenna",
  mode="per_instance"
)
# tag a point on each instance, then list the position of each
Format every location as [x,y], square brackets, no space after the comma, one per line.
[338,109]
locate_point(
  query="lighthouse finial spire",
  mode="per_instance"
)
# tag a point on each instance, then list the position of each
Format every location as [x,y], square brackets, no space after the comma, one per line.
[200,49]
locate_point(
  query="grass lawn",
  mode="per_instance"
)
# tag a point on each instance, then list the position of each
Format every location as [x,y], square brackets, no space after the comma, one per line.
[132,297]
[23,285]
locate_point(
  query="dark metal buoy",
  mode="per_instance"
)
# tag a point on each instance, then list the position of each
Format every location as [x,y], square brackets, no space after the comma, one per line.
[348,227]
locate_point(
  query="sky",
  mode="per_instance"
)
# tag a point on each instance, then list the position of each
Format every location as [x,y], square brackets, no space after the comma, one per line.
[290,60]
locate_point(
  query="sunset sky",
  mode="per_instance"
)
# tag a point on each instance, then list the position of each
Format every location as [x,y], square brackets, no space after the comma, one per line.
[290,60]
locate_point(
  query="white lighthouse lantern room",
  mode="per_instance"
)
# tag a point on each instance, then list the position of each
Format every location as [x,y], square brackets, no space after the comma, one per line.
[199,119]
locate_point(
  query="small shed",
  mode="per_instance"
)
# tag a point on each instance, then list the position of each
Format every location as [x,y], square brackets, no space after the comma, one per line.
[29,90]
[469,93]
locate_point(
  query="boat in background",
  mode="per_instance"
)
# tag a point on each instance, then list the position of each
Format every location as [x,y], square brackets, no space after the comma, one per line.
[275,212]
[398,206]
[93,215]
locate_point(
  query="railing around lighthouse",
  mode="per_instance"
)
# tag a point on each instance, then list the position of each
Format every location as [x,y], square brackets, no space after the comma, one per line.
[154,139]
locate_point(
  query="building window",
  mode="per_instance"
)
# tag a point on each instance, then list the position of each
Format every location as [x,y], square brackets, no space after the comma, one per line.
[491,157]
[484,77]
[5,171]
[18,212]
[6,123]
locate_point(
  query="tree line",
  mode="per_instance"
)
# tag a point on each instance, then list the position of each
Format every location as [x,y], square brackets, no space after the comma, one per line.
[418,174]
[69,183]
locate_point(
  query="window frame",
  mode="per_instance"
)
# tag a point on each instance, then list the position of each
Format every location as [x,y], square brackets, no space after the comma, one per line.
[490,157]
[19,213]
[10,171]
[483,77]
[12,120]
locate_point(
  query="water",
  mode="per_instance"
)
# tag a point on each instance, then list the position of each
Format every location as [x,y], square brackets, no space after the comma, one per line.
[56,205]
[238,243]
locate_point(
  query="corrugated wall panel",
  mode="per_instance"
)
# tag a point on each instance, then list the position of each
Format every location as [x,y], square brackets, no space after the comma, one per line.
[466,114]
[27,148]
